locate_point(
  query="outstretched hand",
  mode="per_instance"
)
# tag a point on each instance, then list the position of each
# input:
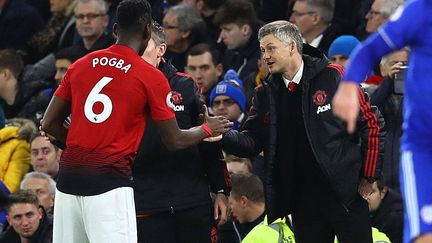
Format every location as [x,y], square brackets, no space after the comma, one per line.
[365,188]
[345,104]
[218,124]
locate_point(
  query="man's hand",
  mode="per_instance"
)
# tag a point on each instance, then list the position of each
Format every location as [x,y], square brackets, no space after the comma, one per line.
[395,69]
[365,188]
[218,124]
[221,207]
[213,139]
[345,104]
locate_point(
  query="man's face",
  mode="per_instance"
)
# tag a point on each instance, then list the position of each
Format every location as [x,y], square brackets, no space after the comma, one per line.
[225,106]
[151,53]
[400,56]
[173,35]
[302,17]
[40,187]
[275,54]
[24,219]
[234,36]
[374,17]
[202,69]
[44,157]
[375,198]
[339,59]
[61,66]
[90,21]
[237,208]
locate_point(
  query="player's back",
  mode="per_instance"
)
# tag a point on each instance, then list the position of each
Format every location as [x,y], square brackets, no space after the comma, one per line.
[109,92]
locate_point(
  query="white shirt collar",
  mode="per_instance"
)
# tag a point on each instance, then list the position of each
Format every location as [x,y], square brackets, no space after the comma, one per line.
[297,76]
[315,42]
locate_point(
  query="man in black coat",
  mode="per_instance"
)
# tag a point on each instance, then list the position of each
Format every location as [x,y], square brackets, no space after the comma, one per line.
[315,170]
[172,189]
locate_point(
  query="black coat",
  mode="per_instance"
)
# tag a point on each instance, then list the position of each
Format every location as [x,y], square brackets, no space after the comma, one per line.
[167,181]
[391,108]
[343,158]
[31,100]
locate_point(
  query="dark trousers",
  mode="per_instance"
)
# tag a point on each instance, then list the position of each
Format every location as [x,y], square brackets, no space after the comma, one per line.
[192,225]
[318,216]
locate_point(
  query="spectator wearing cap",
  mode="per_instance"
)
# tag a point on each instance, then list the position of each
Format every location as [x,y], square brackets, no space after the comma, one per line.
[228,99]
[341,48]
[339,53]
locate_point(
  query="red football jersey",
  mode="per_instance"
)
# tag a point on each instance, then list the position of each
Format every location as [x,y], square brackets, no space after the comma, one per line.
[111,93]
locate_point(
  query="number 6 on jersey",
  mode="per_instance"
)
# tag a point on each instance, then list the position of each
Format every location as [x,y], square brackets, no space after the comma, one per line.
[95,96]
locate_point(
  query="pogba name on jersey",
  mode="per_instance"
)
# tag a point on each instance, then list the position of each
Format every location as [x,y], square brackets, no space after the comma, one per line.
[112,62]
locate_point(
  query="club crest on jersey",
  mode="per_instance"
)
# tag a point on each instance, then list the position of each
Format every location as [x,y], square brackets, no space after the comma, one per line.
[173,101]
[320,97]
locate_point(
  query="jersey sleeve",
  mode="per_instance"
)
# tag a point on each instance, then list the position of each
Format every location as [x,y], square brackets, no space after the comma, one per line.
[64,89]
[395,34]
[400,31]
[158,92]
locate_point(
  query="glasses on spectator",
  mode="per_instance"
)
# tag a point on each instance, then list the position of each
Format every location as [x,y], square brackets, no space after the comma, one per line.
[373,12]
[224,102]
[89,16]
[169,27]
[299,14]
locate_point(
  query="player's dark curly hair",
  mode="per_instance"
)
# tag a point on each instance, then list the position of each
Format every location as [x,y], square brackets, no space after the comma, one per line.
[133,15]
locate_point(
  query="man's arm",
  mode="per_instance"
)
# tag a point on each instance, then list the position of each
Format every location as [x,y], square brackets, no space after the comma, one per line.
[372,132]
[55,115]
[345,102]
[248,143]
[396,33]
[175,139]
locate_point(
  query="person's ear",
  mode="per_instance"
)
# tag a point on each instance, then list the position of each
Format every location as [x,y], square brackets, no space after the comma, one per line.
[41,212]
[383,193]
[115,30]
[185,34]
[219,69]
[244,201]
[161,49]
[292,47]
[246,29]
[316,18]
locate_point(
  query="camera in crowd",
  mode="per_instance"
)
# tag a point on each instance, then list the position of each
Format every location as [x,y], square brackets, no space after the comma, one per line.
[399,81]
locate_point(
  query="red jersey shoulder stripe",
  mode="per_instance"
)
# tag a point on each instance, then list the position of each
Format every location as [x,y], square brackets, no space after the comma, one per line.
[339,68]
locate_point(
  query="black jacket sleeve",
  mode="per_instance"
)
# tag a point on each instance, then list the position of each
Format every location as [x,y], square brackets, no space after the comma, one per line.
[249,142]
[371,127]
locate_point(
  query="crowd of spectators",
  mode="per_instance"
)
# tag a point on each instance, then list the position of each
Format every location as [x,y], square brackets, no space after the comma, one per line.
[210,52]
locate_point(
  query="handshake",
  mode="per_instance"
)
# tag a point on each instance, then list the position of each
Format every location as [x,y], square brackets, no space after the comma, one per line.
[215,126]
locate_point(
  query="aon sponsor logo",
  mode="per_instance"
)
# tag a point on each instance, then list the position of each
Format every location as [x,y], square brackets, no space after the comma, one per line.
[178,108]
[323,108]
